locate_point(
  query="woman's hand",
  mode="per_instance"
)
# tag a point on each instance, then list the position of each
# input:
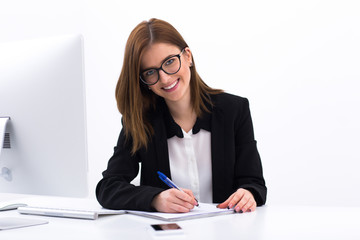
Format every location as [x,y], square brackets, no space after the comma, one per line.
[173,201]
[242,201]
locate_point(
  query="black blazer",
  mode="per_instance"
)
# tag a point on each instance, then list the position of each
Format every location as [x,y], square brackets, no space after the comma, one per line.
[235,159]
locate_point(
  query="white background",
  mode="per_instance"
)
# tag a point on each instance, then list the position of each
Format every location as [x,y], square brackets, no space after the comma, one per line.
[297,62]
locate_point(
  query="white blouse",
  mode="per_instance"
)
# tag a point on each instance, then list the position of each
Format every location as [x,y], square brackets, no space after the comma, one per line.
[190,163]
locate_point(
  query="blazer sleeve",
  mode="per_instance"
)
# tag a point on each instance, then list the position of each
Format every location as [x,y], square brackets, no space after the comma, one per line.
[114,190]
[248,167]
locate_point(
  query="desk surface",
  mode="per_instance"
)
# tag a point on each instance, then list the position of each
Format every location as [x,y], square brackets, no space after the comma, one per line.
[267,222]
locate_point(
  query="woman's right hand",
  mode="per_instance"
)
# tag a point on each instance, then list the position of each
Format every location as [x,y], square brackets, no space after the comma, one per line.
[174,201]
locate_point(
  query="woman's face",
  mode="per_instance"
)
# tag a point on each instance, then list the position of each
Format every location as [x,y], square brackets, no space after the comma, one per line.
[172,87]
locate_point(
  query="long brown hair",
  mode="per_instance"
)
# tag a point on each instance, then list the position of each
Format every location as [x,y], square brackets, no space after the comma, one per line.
[134,99]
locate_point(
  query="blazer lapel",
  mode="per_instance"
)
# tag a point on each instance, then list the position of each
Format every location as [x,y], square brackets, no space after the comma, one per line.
[162,156]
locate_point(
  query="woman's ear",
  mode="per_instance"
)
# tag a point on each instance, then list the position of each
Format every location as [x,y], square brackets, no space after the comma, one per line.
[188,56]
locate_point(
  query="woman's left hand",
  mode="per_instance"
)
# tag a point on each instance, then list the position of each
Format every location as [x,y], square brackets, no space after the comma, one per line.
[242,201]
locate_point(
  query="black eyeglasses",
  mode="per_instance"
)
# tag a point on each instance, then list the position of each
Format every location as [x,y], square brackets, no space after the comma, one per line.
[170,65]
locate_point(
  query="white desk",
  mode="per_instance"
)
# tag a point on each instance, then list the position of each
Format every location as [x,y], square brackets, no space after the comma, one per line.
[268,222]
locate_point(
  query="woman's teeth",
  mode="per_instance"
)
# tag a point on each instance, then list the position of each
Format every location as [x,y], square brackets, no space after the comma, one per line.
[172,85]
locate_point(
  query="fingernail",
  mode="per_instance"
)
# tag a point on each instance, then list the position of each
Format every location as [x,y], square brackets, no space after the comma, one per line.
[241,211]
[227,207]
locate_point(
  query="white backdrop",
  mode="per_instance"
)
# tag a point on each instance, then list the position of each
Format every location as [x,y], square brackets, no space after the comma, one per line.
[297,62]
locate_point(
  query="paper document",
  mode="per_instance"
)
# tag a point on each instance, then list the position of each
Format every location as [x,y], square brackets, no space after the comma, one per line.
[205,210]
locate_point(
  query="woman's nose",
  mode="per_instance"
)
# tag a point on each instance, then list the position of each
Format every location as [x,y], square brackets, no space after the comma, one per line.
[164,77]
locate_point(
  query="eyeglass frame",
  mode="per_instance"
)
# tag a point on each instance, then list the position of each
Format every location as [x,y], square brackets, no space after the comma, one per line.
[161,68]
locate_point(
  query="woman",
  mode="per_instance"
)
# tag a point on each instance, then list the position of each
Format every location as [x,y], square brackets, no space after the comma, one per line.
[174,123]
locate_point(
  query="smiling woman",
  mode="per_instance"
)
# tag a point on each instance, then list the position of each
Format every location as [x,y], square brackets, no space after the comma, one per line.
[173,122]
[133,98]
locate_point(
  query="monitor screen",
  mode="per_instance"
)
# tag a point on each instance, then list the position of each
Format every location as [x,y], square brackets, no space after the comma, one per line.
[42,98]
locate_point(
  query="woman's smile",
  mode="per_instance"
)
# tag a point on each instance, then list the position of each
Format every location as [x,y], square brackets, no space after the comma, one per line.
[172,87]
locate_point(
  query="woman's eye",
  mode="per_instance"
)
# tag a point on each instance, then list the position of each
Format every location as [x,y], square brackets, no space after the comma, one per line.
[169,62]
[149,72]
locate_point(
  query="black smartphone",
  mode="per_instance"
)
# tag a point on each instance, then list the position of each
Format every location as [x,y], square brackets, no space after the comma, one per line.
[165,229]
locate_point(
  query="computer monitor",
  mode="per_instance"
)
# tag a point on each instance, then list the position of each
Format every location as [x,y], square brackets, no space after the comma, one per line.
[42,91]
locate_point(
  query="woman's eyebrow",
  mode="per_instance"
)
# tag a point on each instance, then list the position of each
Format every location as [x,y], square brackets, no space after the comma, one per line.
[162,61]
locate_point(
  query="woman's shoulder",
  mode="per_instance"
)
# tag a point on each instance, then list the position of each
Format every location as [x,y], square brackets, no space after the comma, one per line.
[230,107]
[227,100]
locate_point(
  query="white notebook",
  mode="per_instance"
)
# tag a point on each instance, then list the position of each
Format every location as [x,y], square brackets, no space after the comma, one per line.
[204,210]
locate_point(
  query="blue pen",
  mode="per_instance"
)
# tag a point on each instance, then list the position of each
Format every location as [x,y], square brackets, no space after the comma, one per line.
[171,184]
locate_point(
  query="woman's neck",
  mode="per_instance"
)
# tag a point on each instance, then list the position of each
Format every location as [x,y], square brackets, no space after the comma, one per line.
[183,114]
